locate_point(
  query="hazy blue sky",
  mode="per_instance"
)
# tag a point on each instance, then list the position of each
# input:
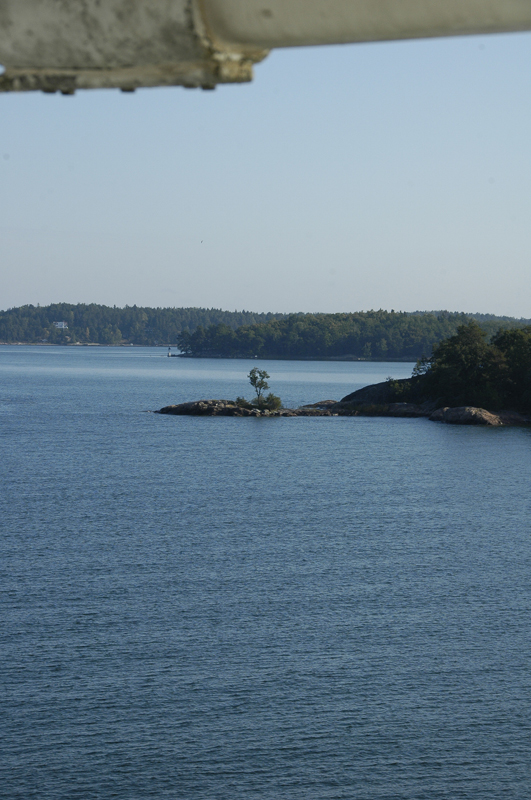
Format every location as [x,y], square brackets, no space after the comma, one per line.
[392,175]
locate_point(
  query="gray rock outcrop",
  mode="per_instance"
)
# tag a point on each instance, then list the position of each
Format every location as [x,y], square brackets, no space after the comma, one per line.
[466,415]
[375,393]
[228,408]
[463,415]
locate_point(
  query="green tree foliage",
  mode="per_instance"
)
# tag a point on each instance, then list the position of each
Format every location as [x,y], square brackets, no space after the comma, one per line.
[96,324]
[466,369]
[258,380]
[463,369]
[515,371]
[272,402]
[370,335]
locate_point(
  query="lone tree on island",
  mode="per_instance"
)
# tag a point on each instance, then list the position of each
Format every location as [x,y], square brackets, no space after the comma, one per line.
[258,380]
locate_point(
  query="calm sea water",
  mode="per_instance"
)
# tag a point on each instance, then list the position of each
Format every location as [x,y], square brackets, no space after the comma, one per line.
[223,608]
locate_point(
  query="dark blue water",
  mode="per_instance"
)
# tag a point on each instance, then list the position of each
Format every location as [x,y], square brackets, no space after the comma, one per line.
[223,608]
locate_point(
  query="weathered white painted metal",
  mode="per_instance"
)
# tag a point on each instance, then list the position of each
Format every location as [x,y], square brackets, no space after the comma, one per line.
[64,45]
[288,23]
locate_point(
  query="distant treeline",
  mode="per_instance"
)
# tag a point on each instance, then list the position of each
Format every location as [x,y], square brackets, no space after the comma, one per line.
[370,335]
[95,324]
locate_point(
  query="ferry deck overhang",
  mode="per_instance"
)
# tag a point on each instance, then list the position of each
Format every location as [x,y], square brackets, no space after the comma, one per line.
[60,46]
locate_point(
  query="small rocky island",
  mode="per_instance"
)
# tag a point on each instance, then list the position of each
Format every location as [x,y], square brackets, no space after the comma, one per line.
[467,381]
[357,404]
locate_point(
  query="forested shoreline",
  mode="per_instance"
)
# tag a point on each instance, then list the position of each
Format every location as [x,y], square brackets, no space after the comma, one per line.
[472,369]
[370,335]
[99,324]
[214,333]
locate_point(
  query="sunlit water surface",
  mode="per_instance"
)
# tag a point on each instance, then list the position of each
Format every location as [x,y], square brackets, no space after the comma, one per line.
[224,608]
